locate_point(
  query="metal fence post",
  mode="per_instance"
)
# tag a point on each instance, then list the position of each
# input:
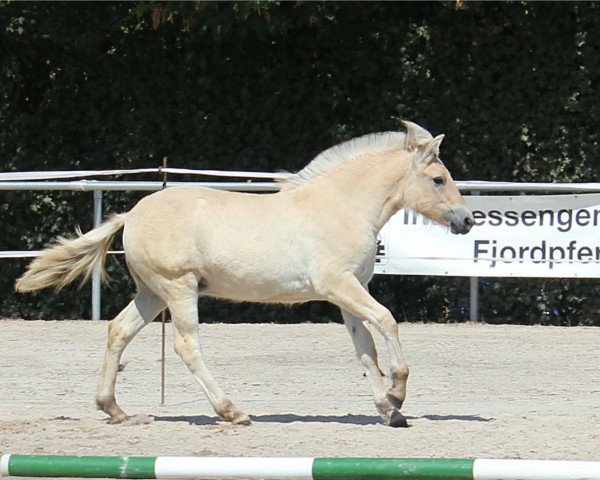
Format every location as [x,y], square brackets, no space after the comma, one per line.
[474,300]
[96,280]
[474,292]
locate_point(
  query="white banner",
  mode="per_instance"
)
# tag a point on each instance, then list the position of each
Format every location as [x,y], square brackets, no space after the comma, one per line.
[516,236]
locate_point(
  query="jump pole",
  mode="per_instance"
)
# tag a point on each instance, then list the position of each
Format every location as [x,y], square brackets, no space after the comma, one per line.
[295,468]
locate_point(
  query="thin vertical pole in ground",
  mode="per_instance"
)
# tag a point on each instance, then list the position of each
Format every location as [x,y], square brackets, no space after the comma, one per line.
[163,316]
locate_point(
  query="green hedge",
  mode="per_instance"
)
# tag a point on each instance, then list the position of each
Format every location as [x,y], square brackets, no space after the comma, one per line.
[266,86]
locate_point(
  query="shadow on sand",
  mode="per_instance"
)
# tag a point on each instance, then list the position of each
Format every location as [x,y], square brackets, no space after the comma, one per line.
[290,418]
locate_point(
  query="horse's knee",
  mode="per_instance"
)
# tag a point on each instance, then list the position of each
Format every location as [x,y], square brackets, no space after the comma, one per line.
[117,340]
[369,361]
[123,328]
[387,323]
[187,349]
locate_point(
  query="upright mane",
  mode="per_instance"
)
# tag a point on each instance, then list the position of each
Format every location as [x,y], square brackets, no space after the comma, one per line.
[326,160]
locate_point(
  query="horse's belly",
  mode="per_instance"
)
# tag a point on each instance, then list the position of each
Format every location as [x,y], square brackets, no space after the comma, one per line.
[258,288]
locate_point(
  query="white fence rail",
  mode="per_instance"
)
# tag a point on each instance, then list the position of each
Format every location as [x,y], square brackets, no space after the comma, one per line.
[30,181]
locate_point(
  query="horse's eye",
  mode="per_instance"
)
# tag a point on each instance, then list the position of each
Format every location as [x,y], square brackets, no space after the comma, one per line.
[439,180]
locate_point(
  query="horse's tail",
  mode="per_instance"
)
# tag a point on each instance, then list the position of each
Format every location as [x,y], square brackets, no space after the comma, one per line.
[68,259]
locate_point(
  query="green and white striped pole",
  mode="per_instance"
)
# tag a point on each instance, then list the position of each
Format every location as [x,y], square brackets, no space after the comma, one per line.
[295,468]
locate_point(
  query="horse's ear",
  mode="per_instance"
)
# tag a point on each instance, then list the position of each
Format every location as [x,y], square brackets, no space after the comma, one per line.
[416,136]
[429,151]
[433,146]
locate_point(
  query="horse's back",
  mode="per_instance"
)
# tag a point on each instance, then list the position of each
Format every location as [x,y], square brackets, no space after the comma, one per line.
[160,226]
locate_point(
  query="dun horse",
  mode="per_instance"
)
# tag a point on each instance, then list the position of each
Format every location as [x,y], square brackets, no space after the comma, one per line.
[313,240]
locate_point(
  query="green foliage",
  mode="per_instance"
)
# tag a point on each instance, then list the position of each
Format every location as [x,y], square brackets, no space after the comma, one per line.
[265,85]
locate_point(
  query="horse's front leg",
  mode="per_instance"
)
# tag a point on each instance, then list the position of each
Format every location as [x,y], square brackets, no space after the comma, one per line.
[355,300]
[367,354]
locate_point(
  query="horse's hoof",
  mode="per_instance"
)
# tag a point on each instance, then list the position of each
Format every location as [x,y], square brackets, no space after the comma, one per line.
[241,419]
[117,419]
[397,420]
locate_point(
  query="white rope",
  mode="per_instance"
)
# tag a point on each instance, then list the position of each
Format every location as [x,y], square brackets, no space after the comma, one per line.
[58,174]
[222,173]
[20,253]
[37,253]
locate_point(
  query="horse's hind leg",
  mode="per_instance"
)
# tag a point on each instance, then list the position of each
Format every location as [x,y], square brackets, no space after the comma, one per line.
[184,316]
[141,310]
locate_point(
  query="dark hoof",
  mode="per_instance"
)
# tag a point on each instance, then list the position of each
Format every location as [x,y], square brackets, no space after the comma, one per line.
[397,420]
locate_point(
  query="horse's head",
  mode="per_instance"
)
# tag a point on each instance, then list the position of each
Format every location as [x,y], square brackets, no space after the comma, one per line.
[430,190]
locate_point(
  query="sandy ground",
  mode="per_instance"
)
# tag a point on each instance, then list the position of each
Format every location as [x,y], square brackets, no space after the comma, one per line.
[474,391]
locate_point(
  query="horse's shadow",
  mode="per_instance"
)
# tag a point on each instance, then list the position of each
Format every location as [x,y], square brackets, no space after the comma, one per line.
[462,418]
[291,417]
[277,418]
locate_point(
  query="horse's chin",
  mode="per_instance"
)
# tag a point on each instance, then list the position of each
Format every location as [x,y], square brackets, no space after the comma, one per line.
[462,230]
[455,230]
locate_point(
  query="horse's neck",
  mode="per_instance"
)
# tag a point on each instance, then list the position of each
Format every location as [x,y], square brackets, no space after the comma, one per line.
[369,187]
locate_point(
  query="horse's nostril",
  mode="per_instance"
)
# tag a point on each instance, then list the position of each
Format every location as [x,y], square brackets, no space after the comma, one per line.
[469,222]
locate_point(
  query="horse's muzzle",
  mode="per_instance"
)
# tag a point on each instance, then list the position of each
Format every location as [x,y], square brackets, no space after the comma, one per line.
[460,220]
